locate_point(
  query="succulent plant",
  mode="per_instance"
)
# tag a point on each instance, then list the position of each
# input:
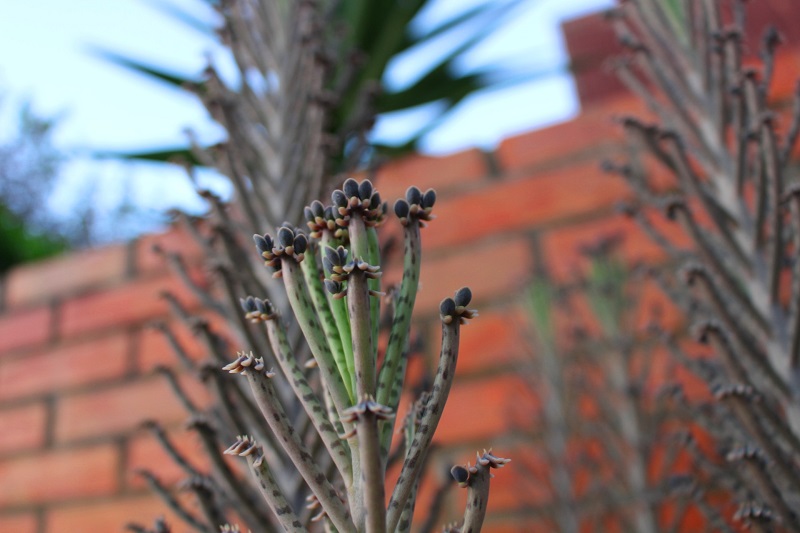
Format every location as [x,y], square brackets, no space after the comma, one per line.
[332,278]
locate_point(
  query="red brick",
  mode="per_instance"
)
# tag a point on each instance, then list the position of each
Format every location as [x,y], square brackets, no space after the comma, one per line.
[176,239]
[24,328]
[496,339]
[23,427]
[64,366]
[440,173]
[120,409]
[111,516]
[133,302]
[491,270]
[66,275]
[19,523]
[523,203]
[484,409]
[154,350]
[784,78]
[590,133]
[563,248]
[59,475]
[144,451]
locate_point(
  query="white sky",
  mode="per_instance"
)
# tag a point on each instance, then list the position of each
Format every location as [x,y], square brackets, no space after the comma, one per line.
[45,57]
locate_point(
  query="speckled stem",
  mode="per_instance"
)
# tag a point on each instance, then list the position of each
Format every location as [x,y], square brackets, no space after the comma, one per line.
[237,491]
[386,427]
[373,473]
[401,322]
[167,497]
[374,258]
[358,306]
[477,500]
[404,526]
[329,324]
[300,301]
[273,495]
[339,311]
[433,412]
[267,400]
[336,447]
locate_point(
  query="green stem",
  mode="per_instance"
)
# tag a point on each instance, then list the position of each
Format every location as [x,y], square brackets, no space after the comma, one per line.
[269,488]
[374,258]
[392,373]
[401,323]
[430,420]
[300,301]
[308,398]
[329,324]
[477,499]
[339,310]
[267,400]
[358,307]
[372,471]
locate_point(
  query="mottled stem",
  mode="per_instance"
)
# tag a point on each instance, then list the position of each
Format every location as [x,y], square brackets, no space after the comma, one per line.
[278,504]
[476,480]
[392,373]
[452,314]
[326,318]
[361,327]
[303,309]
[267,400]
[308,398]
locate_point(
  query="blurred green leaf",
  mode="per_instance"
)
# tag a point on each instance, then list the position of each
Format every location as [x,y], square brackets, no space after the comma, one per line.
[19,245]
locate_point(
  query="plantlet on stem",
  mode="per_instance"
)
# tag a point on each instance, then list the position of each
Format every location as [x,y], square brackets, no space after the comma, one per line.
[337,308]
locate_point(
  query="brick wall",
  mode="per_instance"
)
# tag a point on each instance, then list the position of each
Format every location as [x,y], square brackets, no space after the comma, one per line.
[76,353]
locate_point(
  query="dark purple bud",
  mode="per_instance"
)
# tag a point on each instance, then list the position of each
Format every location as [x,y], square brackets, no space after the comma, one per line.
[429,199]
[247,304]
[300,243]
[401,208]
[460,474]
[259,305]
[413,195]
[463,297]
[365,189]
[339,199]
[328,214]
[332,256]
[350,188]
[327,265]
[342,251]
[263,244]
[333,287]
[308,214]
[375,200]
[285,236]
[317,209]
[447,307]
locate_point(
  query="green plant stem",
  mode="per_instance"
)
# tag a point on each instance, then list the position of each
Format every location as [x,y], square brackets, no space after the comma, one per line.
[336,447]
[165,495]
[415,456]
[374,258]
[329,325]
[477,499]
[300,301]
[339,310]
[392,373]
[267,400]
[372,470]
[358,308]
[274,496]
[236,490]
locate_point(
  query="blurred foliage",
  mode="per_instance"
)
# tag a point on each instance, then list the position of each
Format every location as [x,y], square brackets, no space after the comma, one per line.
[383,32]
[29,165]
